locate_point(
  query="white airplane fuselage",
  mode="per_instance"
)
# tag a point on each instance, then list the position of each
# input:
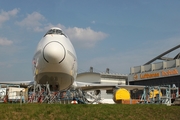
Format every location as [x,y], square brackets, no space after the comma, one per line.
[55,61]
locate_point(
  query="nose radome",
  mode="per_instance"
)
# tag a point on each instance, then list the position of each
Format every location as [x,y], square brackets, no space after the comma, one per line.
[54,52]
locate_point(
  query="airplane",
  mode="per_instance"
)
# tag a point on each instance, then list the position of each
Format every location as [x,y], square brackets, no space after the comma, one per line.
[55,60]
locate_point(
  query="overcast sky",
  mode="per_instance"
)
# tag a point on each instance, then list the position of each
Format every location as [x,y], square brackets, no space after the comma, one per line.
[116,34]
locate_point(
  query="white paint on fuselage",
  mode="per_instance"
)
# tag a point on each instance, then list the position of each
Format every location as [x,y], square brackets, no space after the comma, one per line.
[55,61]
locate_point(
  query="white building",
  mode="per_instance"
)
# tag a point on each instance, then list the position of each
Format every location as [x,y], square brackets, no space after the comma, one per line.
[103,79]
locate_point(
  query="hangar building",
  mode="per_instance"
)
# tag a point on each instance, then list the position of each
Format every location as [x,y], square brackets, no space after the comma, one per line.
[166,72]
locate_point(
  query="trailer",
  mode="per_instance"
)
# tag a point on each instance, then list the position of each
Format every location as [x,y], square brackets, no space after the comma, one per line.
[16,94]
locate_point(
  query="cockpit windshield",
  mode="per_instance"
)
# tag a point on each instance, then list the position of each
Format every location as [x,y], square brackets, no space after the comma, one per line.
[55,31]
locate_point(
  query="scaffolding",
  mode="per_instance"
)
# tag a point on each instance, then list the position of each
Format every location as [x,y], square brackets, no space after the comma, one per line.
[164,96]
[40,93]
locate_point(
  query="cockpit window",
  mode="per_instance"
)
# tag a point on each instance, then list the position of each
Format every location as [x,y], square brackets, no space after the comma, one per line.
[55,31]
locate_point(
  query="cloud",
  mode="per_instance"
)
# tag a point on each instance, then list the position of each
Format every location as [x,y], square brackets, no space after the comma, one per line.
[93,22]
[4,16]
[85,36]
[32,21]
[5,42]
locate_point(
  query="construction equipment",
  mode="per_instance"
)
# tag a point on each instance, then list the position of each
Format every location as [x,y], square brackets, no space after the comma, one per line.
[159,94]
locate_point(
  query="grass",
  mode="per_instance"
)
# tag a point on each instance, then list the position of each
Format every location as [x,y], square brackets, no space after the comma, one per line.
[88,112]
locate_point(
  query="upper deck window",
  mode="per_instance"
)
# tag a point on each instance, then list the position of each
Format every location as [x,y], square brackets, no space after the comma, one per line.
[55,31]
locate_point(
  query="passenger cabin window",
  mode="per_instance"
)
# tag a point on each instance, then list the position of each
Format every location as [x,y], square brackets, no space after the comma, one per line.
[55,31]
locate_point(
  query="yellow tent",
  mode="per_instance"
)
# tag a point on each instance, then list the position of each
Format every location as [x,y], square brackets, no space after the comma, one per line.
[121,94]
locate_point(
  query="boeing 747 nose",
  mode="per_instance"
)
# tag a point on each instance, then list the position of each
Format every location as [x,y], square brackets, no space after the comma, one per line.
[54,52]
